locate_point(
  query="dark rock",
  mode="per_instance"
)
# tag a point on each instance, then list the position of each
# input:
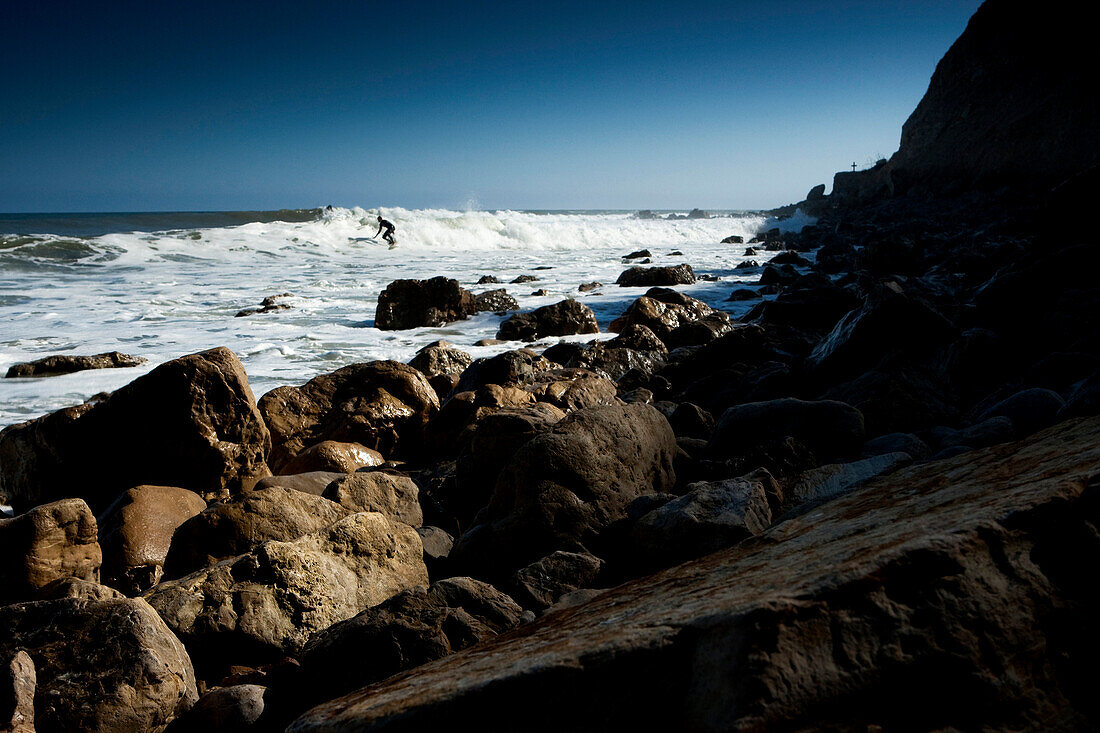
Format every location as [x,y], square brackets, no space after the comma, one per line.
[789,258]
[435,360]
[539,585]
[311,482]
[898,399]
[414,303]
[703,331]
[330,456]
[487,280]
[410,629]
[108,665]
[662,310]
[969,561]
[1029,410]
[393,495]
[46,543]
[831,429]
[816,193]
[773,275]
[656,276]
[17,686]
[747,265]
[743,294]
[437,546]
[65,364]
[585,287]
[689,420]
[836,479]
[637,255]
[734,239]
[524,279]
[1061,370]
[638,337]
[604,358]
[234,708]
[136,531]
[981,435]
[1084,399]
[382,405]
[566,485]
[698,214]
[497,301]
[750,251]
[896,443]
[540,293]
[191,422]
[237,527]
[560,319]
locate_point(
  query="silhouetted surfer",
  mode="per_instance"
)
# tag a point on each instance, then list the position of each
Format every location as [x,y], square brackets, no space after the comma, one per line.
[388,236]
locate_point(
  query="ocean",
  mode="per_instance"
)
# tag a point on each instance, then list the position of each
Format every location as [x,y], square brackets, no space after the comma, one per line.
[161,285]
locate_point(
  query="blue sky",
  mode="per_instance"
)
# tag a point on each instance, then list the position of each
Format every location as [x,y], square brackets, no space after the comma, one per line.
[168,105]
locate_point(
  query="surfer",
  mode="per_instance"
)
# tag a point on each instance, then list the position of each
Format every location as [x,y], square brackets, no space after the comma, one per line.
[388,236]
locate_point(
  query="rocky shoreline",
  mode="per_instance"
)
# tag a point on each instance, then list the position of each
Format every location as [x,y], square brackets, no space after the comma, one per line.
[871,503]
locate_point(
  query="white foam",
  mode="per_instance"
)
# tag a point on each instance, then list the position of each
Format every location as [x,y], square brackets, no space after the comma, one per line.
[162,295]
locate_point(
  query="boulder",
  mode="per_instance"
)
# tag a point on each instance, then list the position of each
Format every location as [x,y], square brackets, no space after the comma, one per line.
[572,389]
[487,280]
[656,276]
[830,429]
[521,279]
[236,527]
[101,665]
[585,287]
[708,517]
[49,542]
[375,491]
[744,294]
[962,580]
[17,686]
[661,310]
[980,435]
[789,257]
[434,360]
[382,405]
[898,399]
[410,629]
[332,456]
[638,254]
[560,319]
[497,301]
[603,357]
[702,331]
[437,547]
[511,367]
[637,337]
[311,482]
[1084,399]
[539,585]
[86,590]
[689,420]
[1029,410]
[897,443]
[258,607]
[66,364]
[136,532]
[836,479]
[734,239]
[223,710]
[191,422]
[566,485]
[414,303]
[816,193]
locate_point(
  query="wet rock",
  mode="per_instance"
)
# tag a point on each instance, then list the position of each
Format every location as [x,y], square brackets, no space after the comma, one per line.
[434,360]
[747,265]
[408,630]
[702,331]
[560,319]
[1029,410]
[662,311]
[191,422]
[17,686]
[789,257]
[497,301]
[1084,399]
[708,517]
[236,527]
[414,303]
[109,665]
[487,280]
[637,337]
[605,358]
[511,367]
[734,239]
[835,479]
[375,491]
[831,429]
[690,420]
[743,294]
[585,287]
[332,456]
[566,485]
[638,254]
[750,252]
[136,531]
[773,275]
[656,276]
[540,293]
[524,279]
[539,585]
[65,364]
[260,606]
[573,389]
[48,542]
[967,560]
[382,405]
[222,710]
[267,305]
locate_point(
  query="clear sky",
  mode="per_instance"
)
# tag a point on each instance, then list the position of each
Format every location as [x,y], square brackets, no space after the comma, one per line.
[195,105]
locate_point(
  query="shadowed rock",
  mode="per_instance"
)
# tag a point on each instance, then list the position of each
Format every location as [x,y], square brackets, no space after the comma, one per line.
[560,319]
[656,276]
[47,543]
[413,303]
[65,364]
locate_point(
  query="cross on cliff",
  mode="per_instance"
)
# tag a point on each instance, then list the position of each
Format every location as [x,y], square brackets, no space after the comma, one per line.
[853,167]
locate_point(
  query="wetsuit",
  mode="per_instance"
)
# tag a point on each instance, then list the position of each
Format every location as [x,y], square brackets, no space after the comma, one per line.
[388,236]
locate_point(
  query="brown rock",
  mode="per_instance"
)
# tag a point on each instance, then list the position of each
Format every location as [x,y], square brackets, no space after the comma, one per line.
[656,276]
[413,303]
[261,606]
[17,685]
[542,583]
[565,318]
[375,491]
[435,360]
[136,532]
[573,389]
[191,422]
[103,666]
[233,709]
[86,590]
[382,405]
[311,482]
[236,527]
[662,311]
[48,542]
[333,456]
[66,364]
[909,599]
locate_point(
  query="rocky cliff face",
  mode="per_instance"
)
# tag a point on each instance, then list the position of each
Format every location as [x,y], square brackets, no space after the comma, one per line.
[1013,102]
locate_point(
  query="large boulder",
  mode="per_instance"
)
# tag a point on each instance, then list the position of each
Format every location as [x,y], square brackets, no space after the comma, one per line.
[261,606]
[568,484]
[899,605]
[191,422]
[831,429]
[542,583]
[47,543]
[101,665]
[440,358]
[560,319]
[377,491]
[311,482]
[410,629]
[236,527]
[656,276]
[497,301]
[332,456]
[136,532]
[413,303]
[382,405]
[1029,410]
[662,311]
[67,364]
[17,685]
[233,709]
